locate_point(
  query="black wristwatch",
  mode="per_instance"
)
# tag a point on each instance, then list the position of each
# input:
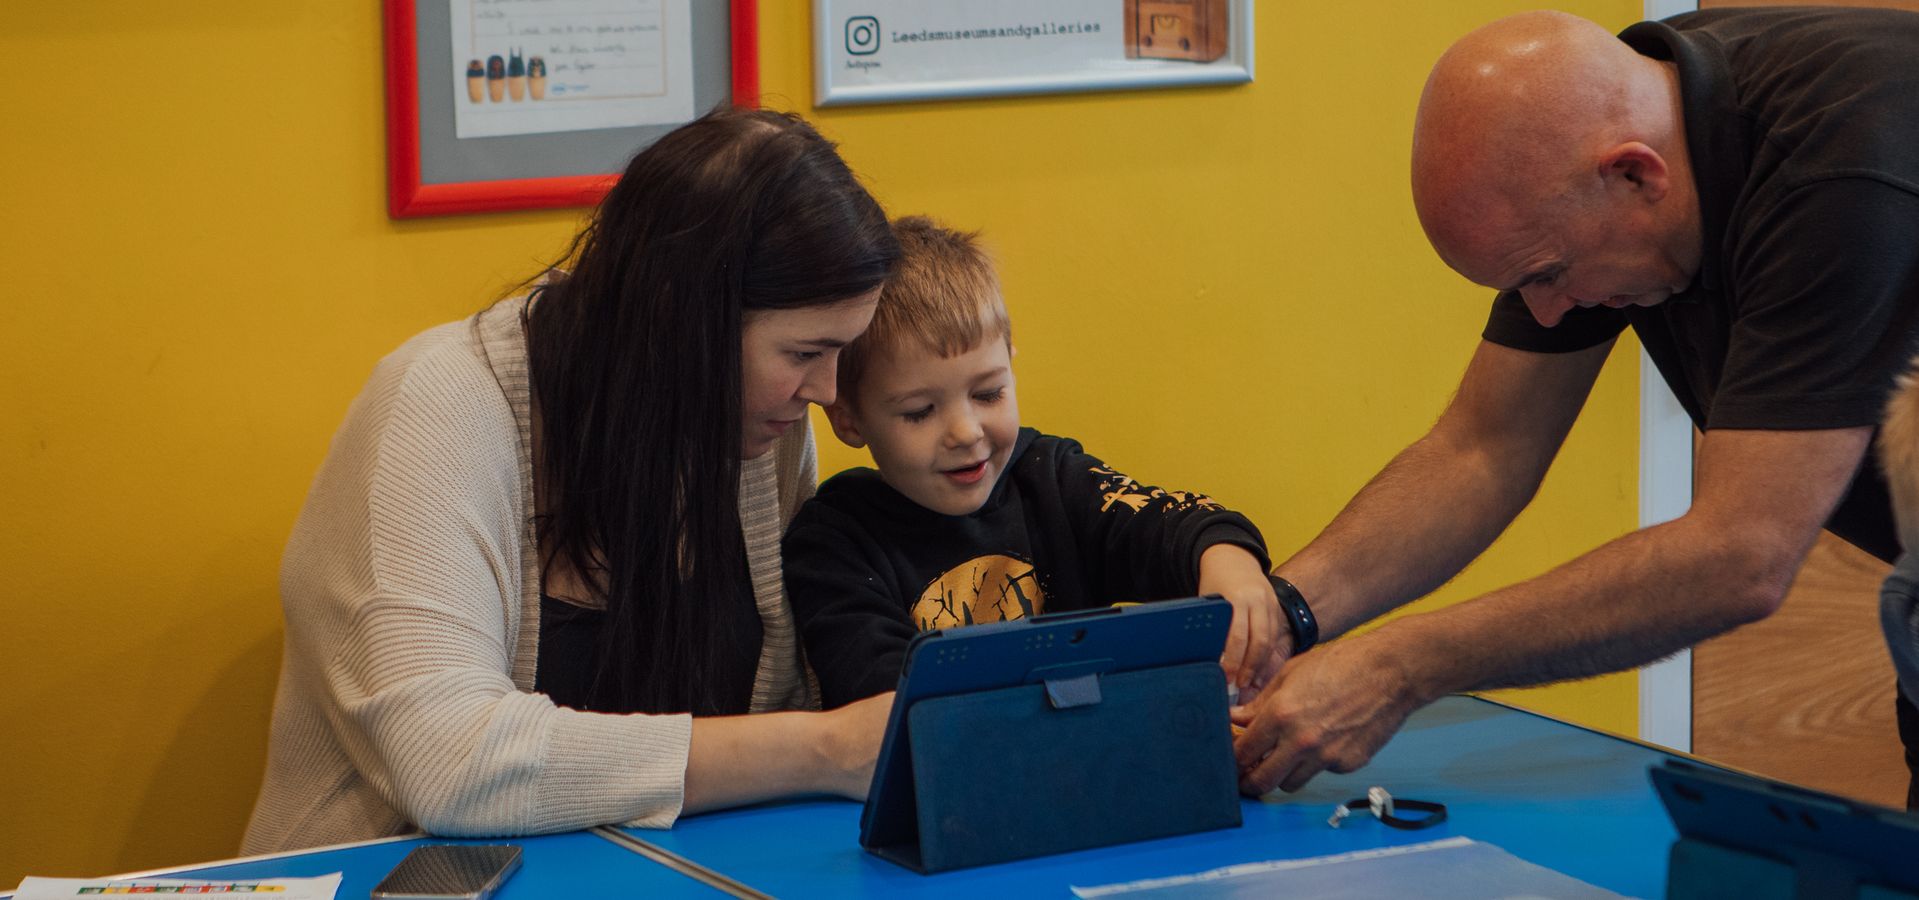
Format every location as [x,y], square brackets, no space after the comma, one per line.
[1300,616]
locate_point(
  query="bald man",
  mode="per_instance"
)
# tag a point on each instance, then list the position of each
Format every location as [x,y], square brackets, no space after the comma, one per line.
[1739,186]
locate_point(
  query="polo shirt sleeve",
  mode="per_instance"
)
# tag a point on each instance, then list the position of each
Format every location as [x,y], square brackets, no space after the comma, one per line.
[1511,324]
[1827,288]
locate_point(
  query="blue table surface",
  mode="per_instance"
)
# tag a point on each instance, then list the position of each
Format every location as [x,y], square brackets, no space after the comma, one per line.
[1550,793]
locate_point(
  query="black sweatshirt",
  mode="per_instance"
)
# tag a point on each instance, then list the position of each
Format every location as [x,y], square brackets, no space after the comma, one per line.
[867,568]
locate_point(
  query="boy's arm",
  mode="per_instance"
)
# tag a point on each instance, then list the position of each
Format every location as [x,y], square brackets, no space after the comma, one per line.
[1260,637]
[855,630]
[1146,541]
[1153,544]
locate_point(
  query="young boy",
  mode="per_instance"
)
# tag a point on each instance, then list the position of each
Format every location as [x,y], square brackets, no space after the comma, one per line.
[971,518]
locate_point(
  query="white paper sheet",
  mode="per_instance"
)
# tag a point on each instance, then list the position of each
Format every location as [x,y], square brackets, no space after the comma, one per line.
[1455,868]
[322,887]
[537,66]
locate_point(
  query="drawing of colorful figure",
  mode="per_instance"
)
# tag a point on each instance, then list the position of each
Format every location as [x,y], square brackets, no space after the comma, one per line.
[496,78]
[516,77]
[475,81]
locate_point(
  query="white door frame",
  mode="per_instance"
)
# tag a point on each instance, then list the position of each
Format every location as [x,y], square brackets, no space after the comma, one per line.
[1665,493]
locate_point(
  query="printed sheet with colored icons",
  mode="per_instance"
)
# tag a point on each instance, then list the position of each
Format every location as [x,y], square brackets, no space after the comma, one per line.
[321,887]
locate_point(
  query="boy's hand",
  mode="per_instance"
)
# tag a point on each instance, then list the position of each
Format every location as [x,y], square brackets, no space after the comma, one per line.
[1259,640]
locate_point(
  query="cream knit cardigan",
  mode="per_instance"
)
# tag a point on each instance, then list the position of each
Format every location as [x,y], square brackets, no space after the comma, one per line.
[411,593]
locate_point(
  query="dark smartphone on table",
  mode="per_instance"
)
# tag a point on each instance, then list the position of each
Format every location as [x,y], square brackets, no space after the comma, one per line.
[450,872]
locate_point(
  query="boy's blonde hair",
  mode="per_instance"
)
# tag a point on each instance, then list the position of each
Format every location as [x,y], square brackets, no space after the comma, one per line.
[1899,455]
[943,297]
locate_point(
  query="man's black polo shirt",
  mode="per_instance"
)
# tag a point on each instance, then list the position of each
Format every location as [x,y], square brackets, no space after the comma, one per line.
[1803,130]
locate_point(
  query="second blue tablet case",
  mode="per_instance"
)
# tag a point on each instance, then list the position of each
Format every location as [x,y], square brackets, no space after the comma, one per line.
[1056,733]
[1750,838]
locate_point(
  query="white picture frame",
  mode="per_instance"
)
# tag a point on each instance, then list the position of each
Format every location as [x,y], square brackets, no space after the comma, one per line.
[889,51]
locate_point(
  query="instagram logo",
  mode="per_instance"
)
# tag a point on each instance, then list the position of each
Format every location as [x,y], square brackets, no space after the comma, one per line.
[862,36]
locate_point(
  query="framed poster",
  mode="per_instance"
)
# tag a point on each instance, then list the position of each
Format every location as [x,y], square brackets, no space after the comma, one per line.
[523,104]
[880,51]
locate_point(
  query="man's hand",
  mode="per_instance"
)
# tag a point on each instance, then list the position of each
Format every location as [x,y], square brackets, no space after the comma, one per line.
[1259,639]
[1330,709]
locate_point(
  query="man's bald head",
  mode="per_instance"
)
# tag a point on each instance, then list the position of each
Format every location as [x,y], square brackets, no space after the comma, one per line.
[1517,117]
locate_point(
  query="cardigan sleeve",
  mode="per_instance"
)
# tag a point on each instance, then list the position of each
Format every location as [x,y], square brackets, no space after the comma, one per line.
[402,587]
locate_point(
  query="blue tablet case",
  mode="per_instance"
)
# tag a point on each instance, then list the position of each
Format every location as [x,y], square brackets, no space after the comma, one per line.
[1056,733]
[1747,837]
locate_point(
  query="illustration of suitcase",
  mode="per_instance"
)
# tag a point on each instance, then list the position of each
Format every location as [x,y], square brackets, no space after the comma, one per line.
[1193,30]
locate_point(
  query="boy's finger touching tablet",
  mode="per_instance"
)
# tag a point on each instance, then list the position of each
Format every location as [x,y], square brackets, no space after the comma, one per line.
[1230,571]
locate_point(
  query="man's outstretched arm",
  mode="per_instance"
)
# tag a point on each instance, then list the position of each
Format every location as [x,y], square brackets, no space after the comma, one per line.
[1443,500]
[1760,499]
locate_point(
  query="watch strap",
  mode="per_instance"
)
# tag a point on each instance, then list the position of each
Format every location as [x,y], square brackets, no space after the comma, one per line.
[1299,616]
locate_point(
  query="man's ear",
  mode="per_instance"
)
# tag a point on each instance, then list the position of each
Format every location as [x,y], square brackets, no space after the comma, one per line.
[1638,167]
[846,426]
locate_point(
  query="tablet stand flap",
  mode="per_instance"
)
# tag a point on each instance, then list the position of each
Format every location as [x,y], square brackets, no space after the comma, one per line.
[1066,693]
[1011,773]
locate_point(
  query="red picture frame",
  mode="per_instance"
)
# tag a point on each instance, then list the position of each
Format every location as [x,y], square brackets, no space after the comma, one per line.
[408,197]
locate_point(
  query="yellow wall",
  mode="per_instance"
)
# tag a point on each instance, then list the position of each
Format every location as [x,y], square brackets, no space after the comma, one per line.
[1220,288]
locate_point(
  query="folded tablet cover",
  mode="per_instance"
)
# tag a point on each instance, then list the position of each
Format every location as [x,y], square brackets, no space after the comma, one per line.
[1002,775]
[1157,740]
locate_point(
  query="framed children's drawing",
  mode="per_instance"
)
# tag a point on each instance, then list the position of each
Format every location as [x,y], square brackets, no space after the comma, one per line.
[523,104]
[881,51]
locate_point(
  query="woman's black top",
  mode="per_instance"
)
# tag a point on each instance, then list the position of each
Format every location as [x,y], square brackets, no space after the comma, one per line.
[569,660]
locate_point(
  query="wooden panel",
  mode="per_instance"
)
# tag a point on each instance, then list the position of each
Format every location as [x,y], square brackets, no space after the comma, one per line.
[1806,695]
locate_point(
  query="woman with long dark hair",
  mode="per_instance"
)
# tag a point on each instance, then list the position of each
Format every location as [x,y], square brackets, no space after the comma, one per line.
[536,584]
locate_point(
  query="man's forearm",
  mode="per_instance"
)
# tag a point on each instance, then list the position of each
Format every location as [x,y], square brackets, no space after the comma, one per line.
[1630,601]
[1634,600]
[1431,511]
[1444,499]
[1729,560]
